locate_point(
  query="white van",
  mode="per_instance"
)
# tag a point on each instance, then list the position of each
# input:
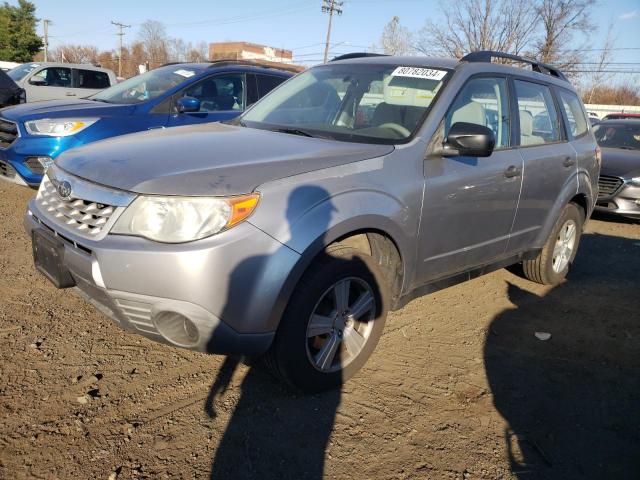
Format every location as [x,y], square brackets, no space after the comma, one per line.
[53,81]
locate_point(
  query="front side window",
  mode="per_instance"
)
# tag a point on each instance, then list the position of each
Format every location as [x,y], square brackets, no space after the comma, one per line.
[483,101]
[538,116]
[92,79]
[52,77]
[618,135]
[575,115]
[219,93]
[145,87]
[347,102]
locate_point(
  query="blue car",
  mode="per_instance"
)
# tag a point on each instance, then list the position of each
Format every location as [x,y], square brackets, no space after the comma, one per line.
[32,135]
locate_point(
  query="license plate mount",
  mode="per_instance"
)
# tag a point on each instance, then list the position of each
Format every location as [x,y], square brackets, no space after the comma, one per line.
[48,257]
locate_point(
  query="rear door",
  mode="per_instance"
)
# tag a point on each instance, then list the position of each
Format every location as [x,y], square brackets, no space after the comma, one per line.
[222,97]
[49,83]
[470,203]
[88,82]
[549,160]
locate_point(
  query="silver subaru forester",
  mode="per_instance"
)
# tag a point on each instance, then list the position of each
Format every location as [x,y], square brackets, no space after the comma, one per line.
[351,189]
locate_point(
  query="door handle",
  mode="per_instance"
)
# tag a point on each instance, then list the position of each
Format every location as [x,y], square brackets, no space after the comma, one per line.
[70,94]
[512,171]
[569,162]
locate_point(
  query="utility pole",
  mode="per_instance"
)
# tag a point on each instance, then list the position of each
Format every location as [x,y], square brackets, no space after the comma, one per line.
[121,26]
[45,26]
[330,6]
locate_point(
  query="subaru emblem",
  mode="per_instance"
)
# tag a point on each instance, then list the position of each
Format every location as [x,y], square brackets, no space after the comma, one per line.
[64,189]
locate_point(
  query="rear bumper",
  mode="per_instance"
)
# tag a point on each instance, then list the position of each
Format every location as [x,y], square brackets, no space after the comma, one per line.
[133,281]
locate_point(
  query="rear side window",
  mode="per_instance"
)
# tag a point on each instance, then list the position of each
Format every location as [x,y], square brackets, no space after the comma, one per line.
[575,115]
[483,101]
[92,79]
[266,83]
[538,116]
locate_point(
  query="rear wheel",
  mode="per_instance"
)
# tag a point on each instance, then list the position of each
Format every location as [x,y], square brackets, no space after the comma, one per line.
[333,321]
[552,264]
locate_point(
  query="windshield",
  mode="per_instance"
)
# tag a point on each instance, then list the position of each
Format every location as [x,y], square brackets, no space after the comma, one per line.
[625,136]
[146,86]
[21,71]
[350,102]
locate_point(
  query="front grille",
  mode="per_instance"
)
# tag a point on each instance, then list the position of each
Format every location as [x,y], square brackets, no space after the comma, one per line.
[7,170]
[608,185]
[81,216]
[8,133]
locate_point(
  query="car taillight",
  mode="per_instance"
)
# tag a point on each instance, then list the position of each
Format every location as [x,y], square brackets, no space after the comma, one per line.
[599,156]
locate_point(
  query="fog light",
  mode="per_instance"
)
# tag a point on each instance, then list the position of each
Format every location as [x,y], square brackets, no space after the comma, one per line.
[177,329]
[38,165]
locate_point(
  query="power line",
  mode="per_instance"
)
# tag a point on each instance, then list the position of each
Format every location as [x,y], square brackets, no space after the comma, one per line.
[121,26]
[330,6]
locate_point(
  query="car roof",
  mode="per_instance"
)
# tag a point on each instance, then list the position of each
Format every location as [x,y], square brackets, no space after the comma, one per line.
[86,66]
[225,65]
[409,61]
[620,121]
[474,63]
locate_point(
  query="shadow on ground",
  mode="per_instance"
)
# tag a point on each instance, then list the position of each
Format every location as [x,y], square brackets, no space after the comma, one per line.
[572,402]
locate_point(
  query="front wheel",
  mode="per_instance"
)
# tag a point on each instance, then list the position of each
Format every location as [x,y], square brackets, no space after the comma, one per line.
[333,321]
[552,264]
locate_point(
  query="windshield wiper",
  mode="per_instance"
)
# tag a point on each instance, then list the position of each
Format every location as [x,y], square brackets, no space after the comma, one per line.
[298,131]
[99,100]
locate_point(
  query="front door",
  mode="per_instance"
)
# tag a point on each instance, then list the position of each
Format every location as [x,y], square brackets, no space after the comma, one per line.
[222,97]
[50,83]
[470,203]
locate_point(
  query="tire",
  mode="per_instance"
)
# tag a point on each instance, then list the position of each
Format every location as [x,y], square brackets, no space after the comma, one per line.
[302,360]
[550,269]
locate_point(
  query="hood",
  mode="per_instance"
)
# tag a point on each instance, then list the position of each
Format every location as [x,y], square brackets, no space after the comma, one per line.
[207,159]
[65,108]
[619,162]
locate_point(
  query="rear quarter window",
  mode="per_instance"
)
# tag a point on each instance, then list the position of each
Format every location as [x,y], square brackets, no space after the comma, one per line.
[572,107]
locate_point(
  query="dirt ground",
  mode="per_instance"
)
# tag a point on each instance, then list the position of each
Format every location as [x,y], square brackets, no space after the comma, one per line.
[459,386]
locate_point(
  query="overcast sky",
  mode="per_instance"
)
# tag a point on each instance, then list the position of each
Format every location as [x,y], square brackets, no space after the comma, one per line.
[296,25]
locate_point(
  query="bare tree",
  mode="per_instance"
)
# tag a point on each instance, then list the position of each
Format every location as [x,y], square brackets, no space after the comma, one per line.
[198,52]
[153,36]
[561,19]
[599,75]
[75,54]
[471,25]
[395,39]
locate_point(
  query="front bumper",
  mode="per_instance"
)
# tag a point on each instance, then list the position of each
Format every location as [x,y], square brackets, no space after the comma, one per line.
[226,285]
[16,155]
[625,202]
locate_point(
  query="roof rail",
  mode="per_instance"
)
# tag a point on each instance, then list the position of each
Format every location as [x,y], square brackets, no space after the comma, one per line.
[348,56]
[253,63]
[487,55]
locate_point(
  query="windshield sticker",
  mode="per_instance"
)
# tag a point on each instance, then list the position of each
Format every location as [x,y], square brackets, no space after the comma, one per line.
[185,73]
[418,72]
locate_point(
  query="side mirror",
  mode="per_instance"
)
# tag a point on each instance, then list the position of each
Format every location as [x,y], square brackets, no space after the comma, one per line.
[38,81]
[470,140]
[188,104]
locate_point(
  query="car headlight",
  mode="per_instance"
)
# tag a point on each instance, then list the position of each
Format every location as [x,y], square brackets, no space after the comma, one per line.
[635,181]
[183,219]
[58,127]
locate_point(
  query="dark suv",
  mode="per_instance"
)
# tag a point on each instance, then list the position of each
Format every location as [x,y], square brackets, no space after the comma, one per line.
[347,191]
